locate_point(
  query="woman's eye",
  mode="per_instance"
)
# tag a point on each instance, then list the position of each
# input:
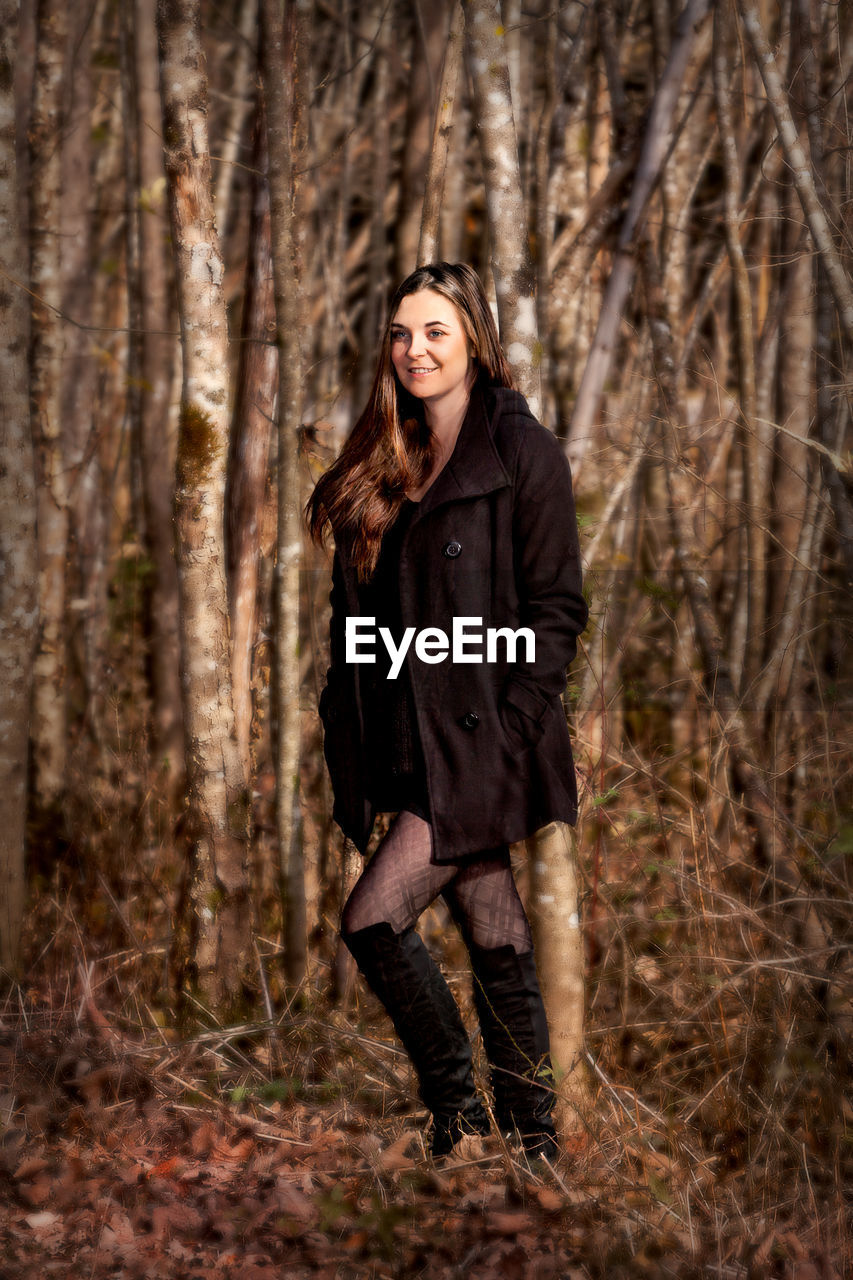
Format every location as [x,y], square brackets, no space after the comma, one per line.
[397,335]
[436,333]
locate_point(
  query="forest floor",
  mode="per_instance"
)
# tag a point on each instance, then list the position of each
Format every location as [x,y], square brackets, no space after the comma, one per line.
[141,1156]
[133,1161]
[716,1139]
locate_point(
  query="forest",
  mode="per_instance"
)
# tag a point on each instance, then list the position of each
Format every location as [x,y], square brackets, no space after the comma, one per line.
[205,207]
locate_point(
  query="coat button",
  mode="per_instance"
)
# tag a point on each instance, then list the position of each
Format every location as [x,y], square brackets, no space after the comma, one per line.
[452,550]
[470,720]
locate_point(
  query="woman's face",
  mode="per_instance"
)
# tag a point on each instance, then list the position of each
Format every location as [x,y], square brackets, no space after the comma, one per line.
[430,350]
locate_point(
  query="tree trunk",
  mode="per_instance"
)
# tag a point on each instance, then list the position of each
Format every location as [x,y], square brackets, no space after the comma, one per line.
[18,550]
[454,205]
[554,900]
[87,490]
[430,39]
[830,420]
[219,924]
[286,88]
[49,735]
[753,581]
[242,80]
[442,132]
[555,918]
[512,265]
[257,380]
[376,281]
[157,358]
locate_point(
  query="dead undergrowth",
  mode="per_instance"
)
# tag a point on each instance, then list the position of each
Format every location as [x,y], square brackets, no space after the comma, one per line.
[715,1141]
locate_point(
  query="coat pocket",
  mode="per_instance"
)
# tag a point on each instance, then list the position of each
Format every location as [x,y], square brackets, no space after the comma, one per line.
[520,731]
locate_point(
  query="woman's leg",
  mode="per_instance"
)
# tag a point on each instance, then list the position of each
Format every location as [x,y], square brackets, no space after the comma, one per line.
[377,926]
[400,880]
[484,901]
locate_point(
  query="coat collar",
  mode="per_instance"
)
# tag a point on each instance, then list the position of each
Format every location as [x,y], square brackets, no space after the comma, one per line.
[474,468]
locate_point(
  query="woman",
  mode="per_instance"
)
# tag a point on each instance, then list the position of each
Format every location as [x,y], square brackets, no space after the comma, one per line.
[456,546]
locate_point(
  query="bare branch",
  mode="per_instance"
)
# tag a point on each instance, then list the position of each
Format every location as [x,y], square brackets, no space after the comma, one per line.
[655,146]
[801,170]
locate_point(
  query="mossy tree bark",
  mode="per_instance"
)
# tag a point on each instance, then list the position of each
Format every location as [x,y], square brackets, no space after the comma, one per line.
[18,557]
[219,942]
[49,715]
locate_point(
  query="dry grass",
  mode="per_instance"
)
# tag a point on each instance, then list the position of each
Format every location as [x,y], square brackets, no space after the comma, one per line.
[717,1136]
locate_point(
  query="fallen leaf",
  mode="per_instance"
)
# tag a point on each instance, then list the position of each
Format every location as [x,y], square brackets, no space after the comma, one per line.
[166,1219]
[509,1224]
[237,1151]
[116,1235]
[203,1139]
[550,1200]
[292,1202]
[30,1167]
[394,1157]
[39,1221]
[168,1169]
[36,1192]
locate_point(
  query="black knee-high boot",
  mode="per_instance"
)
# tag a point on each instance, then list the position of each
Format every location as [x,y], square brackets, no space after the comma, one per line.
[515,1034]
[399,970]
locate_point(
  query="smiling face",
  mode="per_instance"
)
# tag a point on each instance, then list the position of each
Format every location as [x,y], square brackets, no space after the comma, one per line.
[430,349]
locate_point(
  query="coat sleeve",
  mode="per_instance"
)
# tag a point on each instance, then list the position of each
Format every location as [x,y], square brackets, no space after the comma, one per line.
[548,577]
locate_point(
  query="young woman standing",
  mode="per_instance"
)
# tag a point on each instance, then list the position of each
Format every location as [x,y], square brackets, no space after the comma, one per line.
[452,514]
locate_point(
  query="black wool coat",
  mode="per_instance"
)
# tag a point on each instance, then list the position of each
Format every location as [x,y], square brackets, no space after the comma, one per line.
[494,537]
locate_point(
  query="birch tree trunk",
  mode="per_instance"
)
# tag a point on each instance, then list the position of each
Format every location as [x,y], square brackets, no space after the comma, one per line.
[18,552]
[554,899]
[49,716]
[158,351]
[555,917]
[286,89]
[512,265]
[218,918]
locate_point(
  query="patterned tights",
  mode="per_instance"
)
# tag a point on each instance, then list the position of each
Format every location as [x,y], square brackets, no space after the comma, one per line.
[400,882]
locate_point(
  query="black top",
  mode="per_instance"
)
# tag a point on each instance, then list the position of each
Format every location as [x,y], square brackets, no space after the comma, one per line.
[395,762]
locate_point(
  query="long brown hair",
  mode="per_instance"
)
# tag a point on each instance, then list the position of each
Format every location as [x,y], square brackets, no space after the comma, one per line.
[388,450]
